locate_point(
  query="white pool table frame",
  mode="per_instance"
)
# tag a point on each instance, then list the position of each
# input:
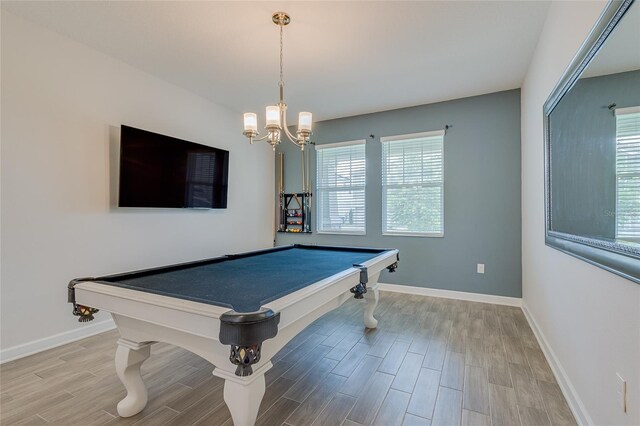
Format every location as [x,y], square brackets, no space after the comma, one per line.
[146,318]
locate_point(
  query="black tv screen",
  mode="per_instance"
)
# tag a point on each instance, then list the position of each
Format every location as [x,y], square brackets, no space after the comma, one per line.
[161,171]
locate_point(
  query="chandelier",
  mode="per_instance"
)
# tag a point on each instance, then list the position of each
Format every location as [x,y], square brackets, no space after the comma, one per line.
[276,115]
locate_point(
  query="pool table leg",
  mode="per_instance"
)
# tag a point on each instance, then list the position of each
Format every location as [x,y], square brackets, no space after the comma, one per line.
[129,358]
[243,396]
[371,298]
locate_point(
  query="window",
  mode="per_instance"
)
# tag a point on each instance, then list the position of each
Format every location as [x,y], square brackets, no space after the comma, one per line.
[201,171]
[413,184]
[628,173]
[341,187]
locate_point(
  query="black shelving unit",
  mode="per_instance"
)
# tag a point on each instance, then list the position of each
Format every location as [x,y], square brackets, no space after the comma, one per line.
[295,213]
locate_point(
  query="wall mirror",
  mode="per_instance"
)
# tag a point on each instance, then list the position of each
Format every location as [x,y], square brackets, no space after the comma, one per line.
[592,147]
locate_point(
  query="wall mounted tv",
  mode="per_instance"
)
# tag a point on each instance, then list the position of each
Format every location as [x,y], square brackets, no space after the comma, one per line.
[161,171]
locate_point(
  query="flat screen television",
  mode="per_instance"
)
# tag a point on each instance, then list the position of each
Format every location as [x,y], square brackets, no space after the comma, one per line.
[161,171]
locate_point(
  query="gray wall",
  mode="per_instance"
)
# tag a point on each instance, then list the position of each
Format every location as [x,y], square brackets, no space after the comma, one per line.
[583,152]
[481,195]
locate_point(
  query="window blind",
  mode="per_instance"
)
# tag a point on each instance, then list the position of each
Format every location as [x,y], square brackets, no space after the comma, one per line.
[628,173]
[341,187]
[200,175]
[413,184]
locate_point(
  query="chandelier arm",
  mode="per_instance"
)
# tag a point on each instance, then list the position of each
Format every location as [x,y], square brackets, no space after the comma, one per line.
[292,138]
[260,139]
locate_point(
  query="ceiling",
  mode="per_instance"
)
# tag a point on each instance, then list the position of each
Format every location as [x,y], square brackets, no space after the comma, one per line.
[340,58]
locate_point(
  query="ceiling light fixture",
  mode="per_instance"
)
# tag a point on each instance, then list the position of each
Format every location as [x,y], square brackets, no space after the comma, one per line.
[276,115]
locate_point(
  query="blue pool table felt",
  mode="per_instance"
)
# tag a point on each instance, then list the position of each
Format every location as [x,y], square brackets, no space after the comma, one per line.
[245,284]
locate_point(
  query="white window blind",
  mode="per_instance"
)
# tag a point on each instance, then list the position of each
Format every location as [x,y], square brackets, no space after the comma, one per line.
[628,173]
[341,187]
[201,168]
[413,184]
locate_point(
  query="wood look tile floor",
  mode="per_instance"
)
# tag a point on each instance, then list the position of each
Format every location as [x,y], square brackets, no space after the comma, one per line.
[431,361]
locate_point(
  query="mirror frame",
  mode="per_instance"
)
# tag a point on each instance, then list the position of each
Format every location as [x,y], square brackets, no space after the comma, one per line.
[614,257]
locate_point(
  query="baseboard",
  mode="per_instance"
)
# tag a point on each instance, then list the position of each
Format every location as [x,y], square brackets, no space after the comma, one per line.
[575,403]
[30,348]
[449,294]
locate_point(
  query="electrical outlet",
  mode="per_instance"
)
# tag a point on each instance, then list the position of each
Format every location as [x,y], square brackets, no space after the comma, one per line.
[622,391]
[481,268]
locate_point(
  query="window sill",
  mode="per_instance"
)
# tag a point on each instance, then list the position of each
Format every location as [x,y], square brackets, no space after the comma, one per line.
[341,233]
[413,234]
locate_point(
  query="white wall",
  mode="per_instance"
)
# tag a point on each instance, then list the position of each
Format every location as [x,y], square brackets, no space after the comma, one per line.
[60,102]
[589,318]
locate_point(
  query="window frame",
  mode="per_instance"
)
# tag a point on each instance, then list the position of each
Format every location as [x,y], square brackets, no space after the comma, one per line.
[320,147]
[618,112]
[409,136]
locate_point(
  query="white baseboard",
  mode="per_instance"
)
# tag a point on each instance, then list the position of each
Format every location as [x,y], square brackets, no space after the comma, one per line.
[30,348]
[449,294]
[578,409]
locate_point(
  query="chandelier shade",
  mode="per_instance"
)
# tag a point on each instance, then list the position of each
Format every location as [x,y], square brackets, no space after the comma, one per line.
[250,121]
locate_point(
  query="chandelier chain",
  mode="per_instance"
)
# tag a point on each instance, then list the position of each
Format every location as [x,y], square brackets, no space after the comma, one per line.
[281,59]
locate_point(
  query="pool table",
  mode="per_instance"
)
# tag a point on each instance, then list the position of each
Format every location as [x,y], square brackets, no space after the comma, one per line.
[236,311]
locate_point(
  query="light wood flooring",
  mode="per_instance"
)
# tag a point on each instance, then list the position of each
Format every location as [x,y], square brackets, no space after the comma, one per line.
[430,361]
